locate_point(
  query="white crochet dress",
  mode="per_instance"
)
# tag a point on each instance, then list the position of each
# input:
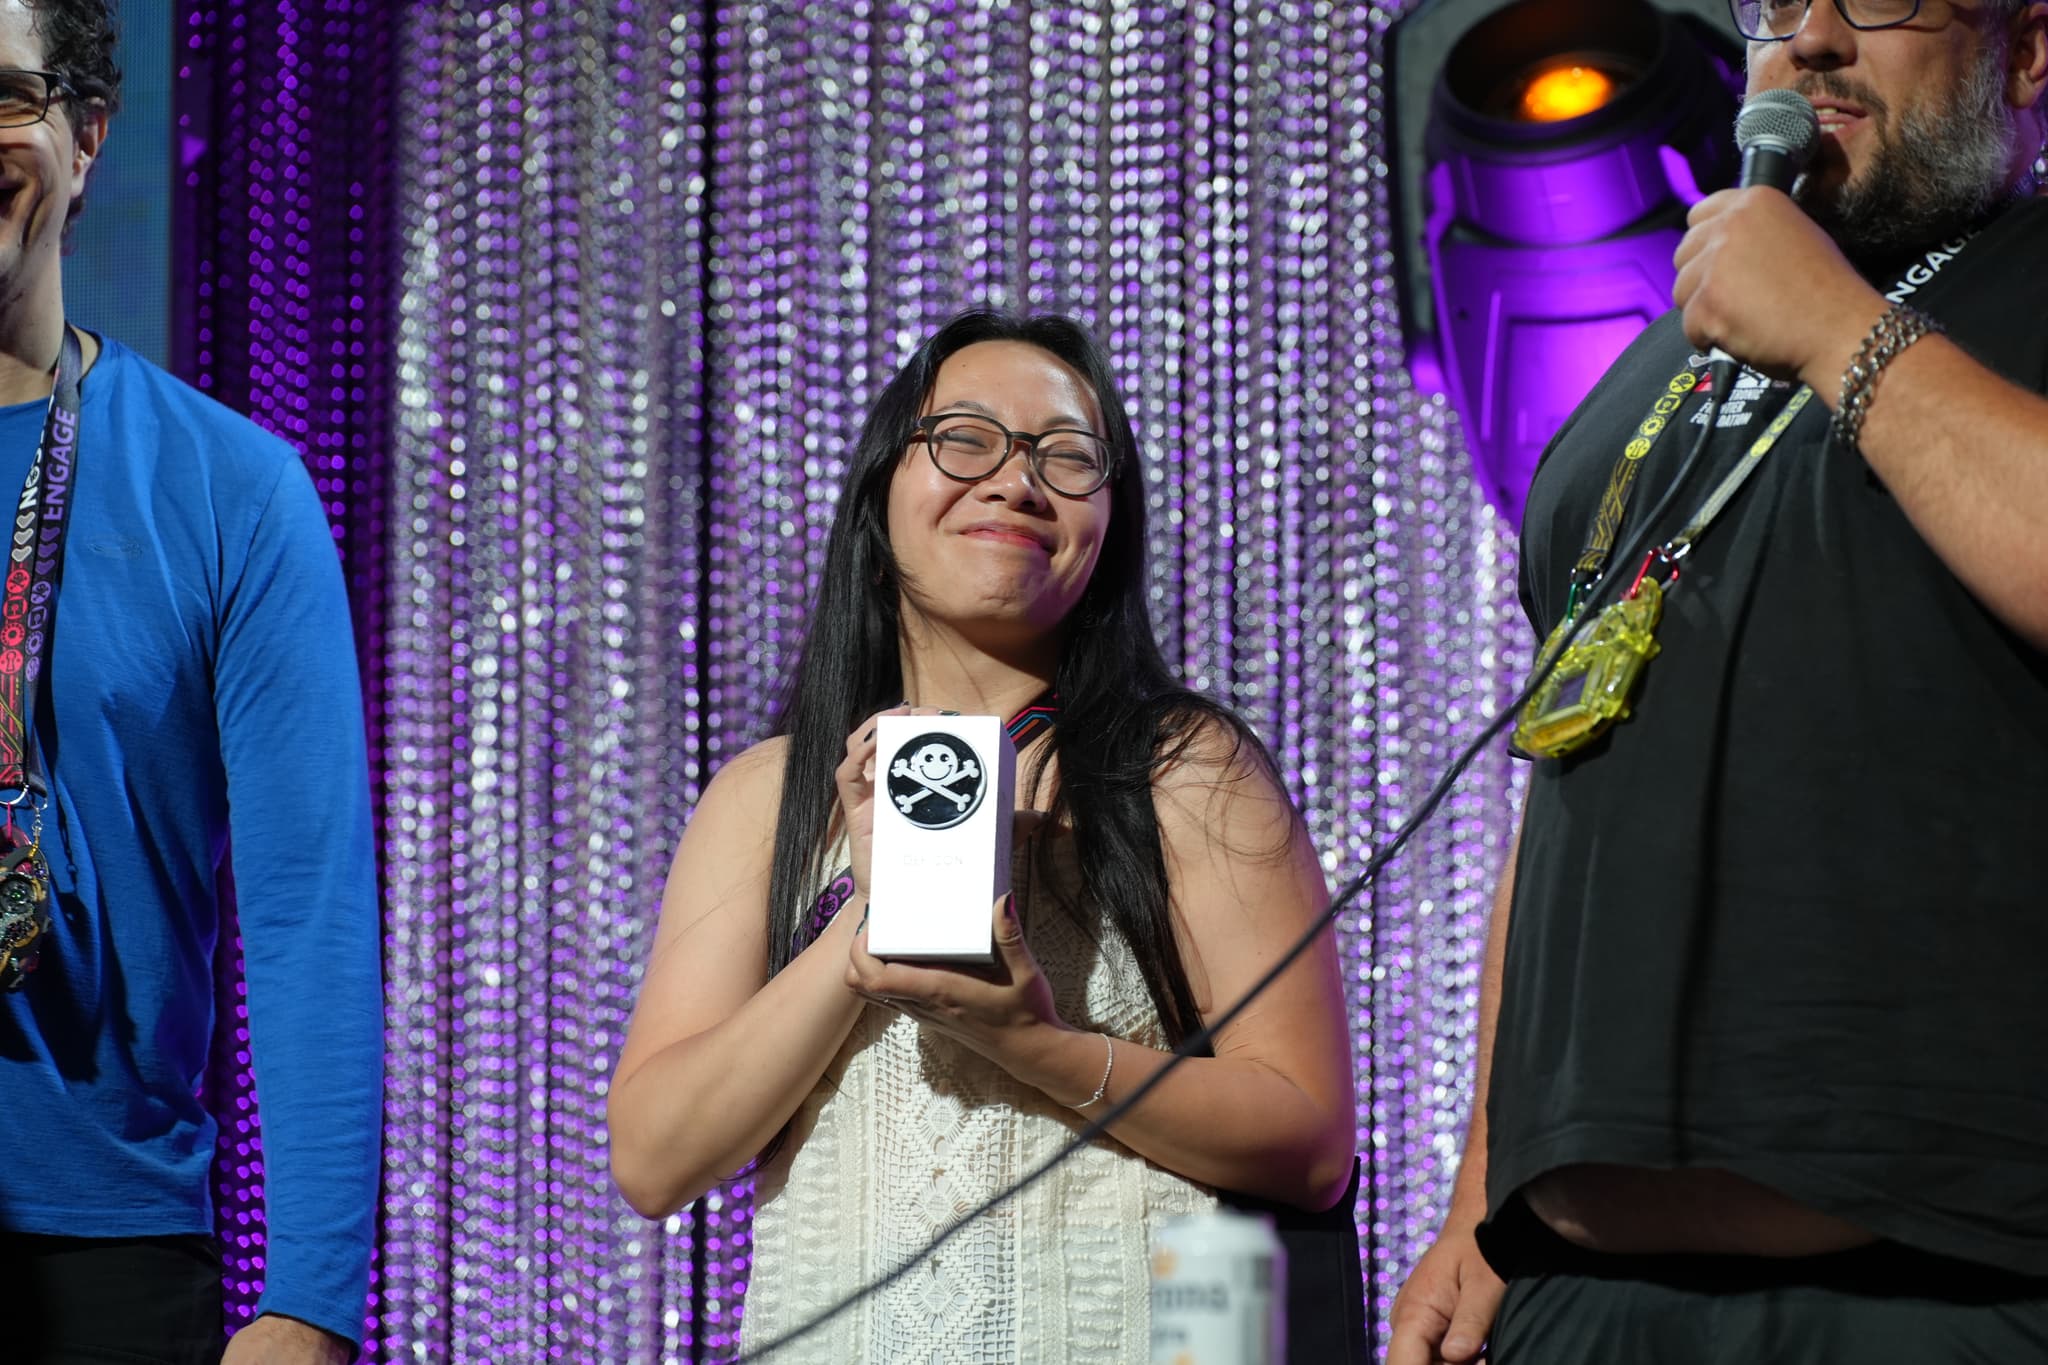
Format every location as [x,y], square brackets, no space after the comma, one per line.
[906,1132]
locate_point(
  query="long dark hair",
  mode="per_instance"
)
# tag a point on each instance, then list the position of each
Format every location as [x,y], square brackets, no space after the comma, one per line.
[1122,714]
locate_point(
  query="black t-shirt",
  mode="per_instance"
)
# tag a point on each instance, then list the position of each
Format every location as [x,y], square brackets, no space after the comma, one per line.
[1791,918]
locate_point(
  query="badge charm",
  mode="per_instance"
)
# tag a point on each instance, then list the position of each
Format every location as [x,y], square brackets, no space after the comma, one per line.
[24,912]
[1595,677]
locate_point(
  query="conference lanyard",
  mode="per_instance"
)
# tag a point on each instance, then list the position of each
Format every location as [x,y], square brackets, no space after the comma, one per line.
[28,608]
[1614,502]
[1590,670]
[34,568]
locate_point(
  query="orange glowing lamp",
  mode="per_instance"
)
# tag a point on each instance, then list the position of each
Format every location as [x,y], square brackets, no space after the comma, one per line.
[1565,91]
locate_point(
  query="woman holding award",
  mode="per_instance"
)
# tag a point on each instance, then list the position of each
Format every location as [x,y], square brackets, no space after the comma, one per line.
[988,559]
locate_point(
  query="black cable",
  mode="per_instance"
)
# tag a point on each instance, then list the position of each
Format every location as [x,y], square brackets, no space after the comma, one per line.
[1596,601]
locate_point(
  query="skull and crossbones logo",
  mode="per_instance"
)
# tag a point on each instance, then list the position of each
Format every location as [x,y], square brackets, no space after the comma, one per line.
[936,781]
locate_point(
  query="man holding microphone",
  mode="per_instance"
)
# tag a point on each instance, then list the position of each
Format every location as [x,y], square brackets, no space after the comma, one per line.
[1760,1065]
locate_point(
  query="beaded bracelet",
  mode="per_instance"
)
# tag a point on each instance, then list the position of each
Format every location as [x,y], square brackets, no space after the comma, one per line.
[1900,327]
[1108,1065]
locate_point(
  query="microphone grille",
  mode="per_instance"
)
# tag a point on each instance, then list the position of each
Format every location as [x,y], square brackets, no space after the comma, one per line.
[1780,119]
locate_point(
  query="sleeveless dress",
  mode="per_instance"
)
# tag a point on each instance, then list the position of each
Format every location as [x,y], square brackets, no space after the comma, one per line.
[908,1130]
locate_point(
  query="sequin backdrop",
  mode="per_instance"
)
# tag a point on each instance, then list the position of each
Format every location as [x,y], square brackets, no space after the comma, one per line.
[575,307]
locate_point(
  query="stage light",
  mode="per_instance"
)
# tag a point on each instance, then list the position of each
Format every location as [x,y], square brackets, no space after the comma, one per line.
[1562,90]
[1546,153]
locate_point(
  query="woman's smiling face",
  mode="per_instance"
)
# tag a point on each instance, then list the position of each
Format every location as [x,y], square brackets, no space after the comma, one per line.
[1006,551]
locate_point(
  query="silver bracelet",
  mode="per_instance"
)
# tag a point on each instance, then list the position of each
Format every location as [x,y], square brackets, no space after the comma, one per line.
[1108,1065]
[1900,327]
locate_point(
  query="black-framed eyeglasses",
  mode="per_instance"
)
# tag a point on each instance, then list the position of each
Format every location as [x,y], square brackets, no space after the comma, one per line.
[26,96]
[966,446]
[1774,21]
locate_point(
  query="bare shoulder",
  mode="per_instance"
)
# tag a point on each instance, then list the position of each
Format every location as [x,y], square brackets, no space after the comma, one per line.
[723,860]
[746,790]
[1214,779]
[1241,870]
[754,773]
[713,926]
[710,948]
[1204,748]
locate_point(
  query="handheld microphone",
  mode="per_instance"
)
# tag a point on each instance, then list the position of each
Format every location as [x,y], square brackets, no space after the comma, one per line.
[1776,131]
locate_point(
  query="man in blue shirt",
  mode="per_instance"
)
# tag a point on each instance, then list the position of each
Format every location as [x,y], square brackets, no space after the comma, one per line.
[196,688]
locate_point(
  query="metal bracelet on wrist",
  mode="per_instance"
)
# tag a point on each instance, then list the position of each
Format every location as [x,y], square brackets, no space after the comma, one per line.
[1901,326]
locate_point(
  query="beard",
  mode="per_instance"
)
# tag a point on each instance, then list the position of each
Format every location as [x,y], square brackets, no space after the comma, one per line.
[1933,176]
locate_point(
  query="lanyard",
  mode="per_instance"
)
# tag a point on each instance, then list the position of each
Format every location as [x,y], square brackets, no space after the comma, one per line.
[28,604]
[34,569]
[1587,676]
[1621,486]
[1034,719]
[1680,545]
[1621,482]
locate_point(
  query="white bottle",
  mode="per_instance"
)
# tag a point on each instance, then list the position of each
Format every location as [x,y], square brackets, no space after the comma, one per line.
[1219,1291]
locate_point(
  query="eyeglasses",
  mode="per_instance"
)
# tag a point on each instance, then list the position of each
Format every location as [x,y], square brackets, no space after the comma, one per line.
[26,96]
[1773,21]
[1068,460]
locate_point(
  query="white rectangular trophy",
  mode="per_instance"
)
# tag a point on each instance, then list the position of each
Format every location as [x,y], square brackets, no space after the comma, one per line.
[944,790]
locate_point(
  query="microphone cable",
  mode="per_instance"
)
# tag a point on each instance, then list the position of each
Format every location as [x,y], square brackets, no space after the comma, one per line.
[1597,600]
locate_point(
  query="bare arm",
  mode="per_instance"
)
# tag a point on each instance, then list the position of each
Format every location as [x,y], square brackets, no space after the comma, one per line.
[718,1056]
[1468,1195]
[1272,1112]
[1447,1307]
[1965,455]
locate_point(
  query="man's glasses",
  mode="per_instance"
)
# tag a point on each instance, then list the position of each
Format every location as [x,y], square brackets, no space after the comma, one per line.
[1068,460]
[26,96]
[1773,21]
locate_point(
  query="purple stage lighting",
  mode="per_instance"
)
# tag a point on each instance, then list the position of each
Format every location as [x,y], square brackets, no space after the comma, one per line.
[1565,141]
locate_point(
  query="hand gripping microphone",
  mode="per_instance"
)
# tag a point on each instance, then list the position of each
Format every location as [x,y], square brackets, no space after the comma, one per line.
[1776,131]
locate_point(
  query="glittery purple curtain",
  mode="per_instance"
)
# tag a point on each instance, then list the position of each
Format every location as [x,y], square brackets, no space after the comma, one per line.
[652,263]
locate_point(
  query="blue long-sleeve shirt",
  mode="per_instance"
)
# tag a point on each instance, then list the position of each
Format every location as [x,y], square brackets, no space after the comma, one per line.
[202,685]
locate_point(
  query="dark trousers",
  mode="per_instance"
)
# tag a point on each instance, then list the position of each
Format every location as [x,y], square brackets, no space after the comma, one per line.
[1325,1277]
[110,1301]
[1880,1303]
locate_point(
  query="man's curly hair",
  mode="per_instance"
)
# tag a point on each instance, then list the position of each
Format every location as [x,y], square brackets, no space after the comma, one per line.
[79,38]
